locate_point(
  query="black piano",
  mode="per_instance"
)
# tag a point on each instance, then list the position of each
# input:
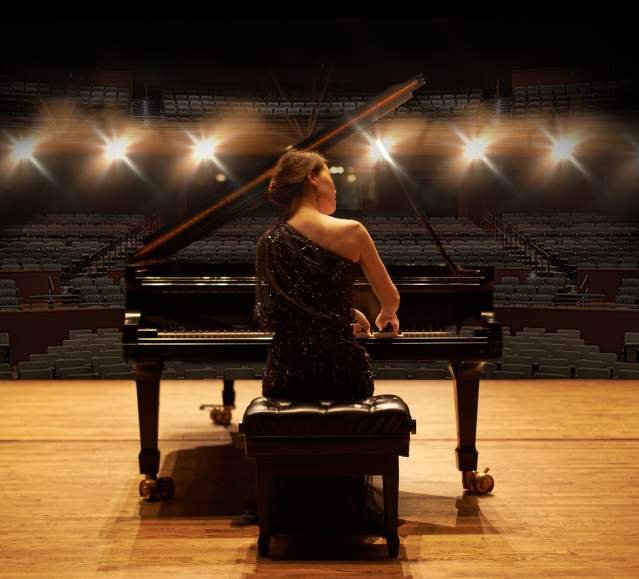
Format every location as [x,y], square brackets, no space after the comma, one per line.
[205,312]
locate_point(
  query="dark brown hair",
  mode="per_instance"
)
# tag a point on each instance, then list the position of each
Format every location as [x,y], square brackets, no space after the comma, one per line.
[287,181]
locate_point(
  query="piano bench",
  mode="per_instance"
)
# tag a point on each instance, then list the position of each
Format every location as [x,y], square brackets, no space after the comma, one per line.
[301,438]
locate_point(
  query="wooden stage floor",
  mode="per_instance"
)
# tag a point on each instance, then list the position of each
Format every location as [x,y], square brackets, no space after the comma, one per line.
[564,455]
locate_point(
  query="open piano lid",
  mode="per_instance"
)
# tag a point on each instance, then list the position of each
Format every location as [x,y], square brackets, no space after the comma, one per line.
[252,195]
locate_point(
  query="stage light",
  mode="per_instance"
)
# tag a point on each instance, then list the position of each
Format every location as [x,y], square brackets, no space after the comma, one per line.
[476,149]
[563,148]
[336,170]
[379,150]
[351,178]
[23,149]
[220,177]
[204,150]
[115,149]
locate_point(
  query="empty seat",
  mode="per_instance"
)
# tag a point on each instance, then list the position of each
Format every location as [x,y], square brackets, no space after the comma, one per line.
[68,363]
[558,370]
[586,363]
[548,361]
[49,358]
[608,357]
[390,373]
[510,280]
[80,333]
[66,372]
[569,332]
[106,369]
[242,373]
[56,350]
[583,372]
[431,374]
[128,375]
[523,369]
[633,366]
[36,374]
[533,353]
[504,375]
[535,331]
[200,373]
[32,366]
[107,331]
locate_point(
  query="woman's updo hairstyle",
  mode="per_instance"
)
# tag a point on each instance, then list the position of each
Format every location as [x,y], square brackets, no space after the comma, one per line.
[287,182]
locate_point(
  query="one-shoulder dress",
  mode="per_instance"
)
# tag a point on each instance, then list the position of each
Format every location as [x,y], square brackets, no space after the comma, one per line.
[304,295]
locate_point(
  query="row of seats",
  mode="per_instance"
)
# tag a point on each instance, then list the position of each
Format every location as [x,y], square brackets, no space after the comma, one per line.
[628,292]
[577,239]
[22,87]
[109,368]
[60,241]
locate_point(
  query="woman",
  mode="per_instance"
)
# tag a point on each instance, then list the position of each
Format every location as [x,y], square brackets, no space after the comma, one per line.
[305,268]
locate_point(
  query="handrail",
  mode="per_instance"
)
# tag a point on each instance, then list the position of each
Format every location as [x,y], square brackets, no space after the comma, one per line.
[151,224]
[510,235]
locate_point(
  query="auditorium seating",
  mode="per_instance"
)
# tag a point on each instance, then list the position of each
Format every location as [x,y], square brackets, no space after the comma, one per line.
[581,239]
[571,98]
[18,98]
[400,239]
[628,292]
[56,241]
[184,105]
[536,353]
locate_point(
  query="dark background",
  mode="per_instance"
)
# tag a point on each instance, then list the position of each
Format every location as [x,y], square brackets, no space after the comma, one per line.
[450,51]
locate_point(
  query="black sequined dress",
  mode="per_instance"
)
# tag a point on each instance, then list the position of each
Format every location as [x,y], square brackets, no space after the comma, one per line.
[304,296]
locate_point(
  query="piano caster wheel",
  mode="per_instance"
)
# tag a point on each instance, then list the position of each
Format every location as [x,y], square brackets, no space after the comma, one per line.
[478,483]
[152,489]
[221,415]
[149,489]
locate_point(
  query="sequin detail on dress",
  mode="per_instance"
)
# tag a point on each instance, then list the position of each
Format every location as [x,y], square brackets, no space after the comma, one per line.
[304,295]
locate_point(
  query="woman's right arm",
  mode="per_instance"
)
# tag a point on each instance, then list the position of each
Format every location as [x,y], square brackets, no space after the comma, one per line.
[378,277]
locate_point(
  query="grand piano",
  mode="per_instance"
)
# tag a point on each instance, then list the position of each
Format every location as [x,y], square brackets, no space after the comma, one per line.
[205,312]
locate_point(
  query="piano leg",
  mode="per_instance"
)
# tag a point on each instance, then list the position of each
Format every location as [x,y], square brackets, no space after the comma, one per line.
[147,378]
[228,393]
[222,415]
[466,376]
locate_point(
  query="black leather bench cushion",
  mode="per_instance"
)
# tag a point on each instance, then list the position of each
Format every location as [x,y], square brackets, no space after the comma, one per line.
[383,415]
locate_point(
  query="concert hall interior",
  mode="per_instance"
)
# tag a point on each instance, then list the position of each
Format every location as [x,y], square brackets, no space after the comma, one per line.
[315,296]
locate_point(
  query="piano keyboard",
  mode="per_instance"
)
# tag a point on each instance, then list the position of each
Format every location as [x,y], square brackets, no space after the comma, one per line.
[243,334]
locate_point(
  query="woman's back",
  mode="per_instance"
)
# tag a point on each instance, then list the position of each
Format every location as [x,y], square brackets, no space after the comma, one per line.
[304,295]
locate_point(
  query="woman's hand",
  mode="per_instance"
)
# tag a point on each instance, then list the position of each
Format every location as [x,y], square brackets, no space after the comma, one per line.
[361,325]
[384,318]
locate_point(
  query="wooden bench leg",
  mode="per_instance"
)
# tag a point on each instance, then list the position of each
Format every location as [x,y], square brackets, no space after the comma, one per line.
[391,505]
[264,479]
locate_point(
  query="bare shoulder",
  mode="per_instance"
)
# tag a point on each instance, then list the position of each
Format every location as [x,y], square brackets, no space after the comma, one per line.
[346,227]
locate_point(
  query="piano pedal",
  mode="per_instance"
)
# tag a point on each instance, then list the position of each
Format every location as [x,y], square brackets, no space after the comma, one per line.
[152,489]
[220,414]
[478,483]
